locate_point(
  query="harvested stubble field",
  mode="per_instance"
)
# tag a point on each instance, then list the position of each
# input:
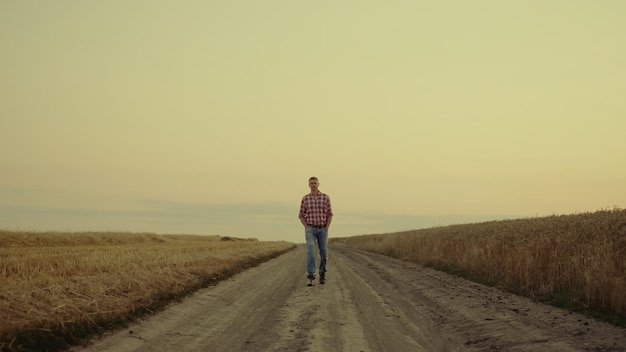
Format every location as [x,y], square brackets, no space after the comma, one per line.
[58,288]
[574,261]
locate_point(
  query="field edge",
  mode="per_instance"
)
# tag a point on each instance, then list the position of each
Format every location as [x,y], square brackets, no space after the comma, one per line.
[63,335]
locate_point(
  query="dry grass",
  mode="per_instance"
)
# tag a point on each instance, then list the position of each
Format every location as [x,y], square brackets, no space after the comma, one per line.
[58,287]
[579,259]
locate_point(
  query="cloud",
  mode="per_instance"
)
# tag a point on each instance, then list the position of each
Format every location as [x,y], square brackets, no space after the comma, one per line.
[19,191]
[368,223]
[270,212]
[261,220]
[265,221]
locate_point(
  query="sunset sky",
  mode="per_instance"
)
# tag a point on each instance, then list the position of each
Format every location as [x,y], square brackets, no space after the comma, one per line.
[208,117]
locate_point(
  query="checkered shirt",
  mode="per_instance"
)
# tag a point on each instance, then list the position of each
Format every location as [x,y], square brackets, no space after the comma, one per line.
[315,209]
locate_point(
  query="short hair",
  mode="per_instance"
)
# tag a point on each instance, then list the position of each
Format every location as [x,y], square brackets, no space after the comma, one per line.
[313,178]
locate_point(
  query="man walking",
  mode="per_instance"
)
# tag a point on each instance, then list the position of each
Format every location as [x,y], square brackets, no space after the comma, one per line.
[316,215]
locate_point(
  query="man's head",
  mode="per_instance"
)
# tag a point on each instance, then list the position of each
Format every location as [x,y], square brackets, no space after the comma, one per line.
[314,183]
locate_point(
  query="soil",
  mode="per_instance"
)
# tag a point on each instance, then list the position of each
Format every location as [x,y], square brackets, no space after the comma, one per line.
[369,303]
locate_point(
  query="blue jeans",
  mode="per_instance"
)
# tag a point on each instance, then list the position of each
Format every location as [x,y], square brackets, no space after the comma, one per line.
[319,237]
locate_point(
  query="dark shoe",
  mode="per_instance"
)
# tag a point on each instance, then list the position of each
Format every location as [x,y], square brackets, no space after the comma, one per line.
[322,278]
[311,278]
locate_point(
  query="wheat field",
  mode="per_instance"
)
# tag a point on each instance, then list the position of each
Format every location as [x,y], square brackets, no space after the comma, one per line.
[576,260]
[56,288]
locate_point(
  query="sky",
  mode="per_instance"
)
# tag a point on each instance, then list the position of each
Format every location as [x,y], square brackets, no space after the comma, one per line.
[208,117]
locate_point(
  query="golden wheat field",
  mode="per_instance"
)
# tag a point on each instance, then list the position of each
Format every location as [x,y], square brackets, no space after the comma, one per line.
[56,288]
[578,259]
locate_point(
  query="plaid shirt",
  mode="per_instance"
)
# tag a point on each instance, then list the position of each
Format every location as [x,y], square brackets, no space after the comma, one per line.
[315,209]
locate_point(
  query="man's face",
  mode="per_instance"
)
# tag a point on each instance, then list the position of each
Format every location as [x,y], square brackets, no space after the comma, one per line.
[313,184]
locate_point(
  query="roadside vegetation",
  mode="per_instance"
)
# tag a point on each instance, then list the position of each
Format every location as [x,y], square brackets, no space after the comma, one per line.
[57,289]
[573,261]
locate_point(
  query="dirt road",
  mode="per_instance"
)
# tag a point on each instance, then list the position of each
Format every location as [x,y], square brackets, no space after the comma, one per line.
[369,303]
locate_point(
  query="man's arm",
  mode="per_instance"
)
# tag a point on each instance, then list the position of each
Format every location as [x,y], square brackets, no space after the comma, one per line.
[329,213]
[329,219]
[302,213]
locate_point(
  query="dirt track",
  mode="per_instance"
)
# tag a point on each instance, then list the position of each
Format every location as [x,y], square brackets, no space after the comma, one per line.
[369,303]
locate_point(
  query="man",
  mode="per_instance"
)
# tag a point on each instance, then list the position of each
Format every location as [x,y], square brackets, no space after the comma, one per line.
[316,215]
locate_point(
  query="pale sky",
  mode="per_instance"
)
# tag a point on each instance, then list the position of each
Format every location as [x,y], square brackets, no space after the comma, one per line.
[208,117]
